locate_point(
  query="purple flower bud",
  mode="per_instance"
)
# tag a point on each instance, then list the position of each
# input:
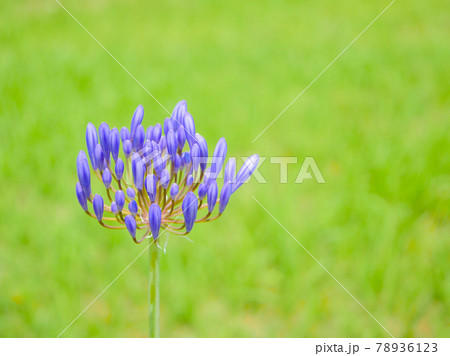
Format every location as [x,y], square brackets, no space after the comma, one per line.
[133,207]
[149,133]
[127,148]
[189,207]
[114,141]
[114,208]
[138,138]
[139,169]
[130,223]
[209,176]
[181,137]
[225,195]
[81,196]
[137,119]
[195,154]
[168,125]
[246,171]
[150,186]
[159,163]
[119,168]
[220,153]
[99,158]
[230,171]
[131,193]
[189,180]
[155,147]
[172,143]
[177,163]
[104,133]
[186,157]
[163,143]
[84,174]
[157,131]
[213,192]
[165,178]
[120,199]
[189,127]
[91,142]
[178,113]
[154,219]
[174,189]
[125,134]
[203,146]
[98,207]
[202,191]
[107,178]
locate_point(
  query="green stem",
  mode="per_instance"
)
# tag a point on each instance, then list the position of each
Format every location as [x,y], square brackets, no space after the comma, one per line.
[154,289]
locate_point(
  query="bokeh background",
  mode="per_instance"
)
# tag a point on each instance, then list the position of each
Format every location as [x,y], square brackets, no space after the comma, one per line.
[376,123]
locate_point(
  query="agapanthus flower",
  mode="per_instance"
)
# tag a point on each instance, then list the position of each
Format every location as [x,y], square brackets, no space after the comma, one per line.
[163,181]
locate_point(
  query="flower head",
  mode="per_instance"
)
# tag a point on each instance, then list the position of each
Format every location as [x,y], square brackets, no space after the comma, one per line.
[160,183]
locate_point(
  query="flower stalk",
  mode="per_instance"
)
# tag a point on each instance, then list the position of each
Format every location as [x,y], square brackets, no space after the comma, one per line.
[154,290]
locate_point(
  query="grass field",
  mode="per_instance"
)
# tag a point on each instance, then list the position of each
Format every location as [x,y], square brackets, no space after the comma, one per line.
[376,123]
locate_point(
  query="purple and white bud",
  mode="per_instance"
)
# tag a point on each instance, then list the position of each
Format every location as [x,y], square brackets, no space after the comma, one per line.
[177,163]
[130,223]
[120,199]
[91,142]
[138,168]
[168,125]
[189,207]
[127,148]
[181,137]
[131,193]
[99,158]
[150,186]
[203,146]
[125,134]
[119,168]
[138,138]
[157,132]
[195,154]
[172,144]
[213,192]
[189,180]
[84,173]
[154,219]
[189,127]
[186,157]
[114,141]
[133,207]
[81,196]
[202,191]
[220,152]
[98,207]
[149,133]
[174,189]
[163,143]
[107,178]
[165,178]
[225,195]
[230,171]
[246,171]
[138,116]
[104,133]
[178,114]
[114,208]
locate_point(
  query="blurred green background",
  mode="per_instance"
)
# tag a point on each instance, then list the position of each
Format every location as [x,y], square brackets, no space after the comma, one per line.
[376,123]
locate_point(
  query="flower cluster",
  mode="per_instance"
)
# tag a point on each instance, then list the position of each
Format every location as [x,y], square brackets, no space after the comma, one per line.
[165,179]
